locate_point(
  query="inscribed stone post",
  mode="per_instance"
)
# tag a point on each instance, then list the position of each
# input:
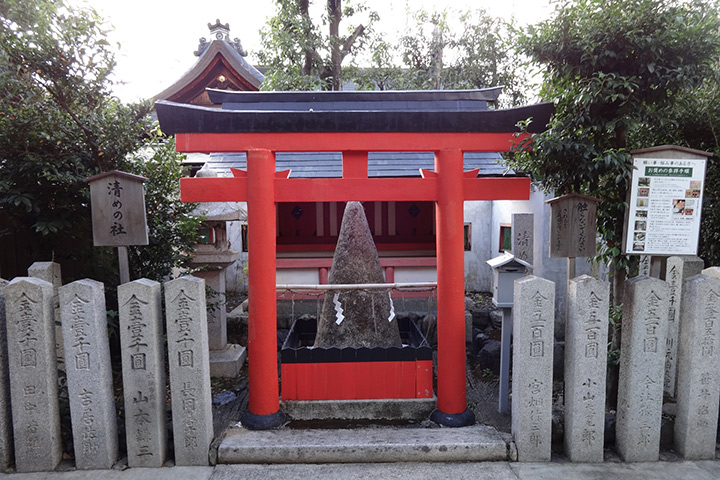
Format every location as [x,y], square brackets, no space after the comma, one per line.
[143,368]
[533,337]
[642,361]
[48,271]
[89,374]
[33,374]
[644,265]
[6,446]
[586,333]
[712,272]
[189,364]
[698,374]
[51,272]
[522,236]
[678,269]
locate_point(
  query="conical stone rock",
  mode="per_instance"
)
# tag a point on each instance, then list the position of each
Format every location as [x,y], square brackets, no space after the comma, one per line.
[356,318]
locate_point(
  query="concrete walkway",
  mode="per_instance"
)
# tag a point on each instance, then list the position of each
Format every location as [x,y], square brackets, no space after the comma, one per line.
[556,470]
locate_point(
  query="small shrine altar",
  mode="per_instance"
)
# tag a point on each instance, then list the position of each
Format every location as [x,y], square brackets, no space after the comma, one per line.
[447,123]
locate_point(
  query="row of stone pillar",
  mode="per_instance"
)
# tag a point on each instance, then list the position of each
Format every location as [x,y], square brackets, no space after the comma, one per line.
[31,426]
[644,363]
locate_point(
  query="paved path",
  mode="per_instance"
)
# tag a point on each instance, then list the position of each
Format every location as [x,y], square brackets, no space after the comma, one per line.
[698,470]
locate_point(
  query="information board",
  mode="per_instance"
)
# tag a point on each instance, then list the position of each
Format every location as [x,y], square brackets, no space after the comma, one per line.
[665,203]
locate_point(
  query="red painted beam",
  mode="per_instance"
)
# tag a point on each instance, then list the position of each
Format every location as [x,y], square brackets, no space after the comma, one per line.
[358,189]
[324,247]
[234,189]
[214,189]
[384,261]
[343,141]
[355,164]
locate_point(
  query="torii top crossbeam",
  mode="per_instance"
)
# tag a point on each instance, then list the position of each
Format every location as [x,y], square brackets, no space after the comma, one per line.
[447,123]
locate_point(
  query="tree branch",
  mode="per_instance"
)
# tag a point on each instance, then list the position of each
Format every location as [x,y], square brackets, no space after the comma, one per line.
[348,43]
[62,102]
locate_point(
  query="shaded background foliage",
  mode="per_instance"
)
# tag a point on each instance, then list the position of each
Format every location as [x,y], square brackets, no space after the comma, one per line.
[60,124]
[615,70]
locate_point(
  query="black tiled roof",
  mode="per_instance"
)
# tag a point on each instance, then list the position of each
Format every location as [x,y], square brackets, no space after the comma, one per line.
[251,100]
[182,118]
[352,111]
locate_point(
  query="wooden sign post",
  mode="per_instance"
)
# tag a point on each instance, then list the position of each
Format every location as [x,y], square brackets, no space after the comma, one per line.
[572,228]
[117,200]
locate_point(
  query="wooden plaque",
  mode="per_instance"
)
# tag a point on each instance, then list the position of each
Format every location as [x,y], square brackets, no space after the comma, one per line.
[117,200]
[572,225]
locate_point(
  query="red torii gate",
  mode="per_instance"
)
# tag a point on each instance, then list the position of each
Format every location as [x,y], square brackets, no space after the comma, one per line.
[334,126]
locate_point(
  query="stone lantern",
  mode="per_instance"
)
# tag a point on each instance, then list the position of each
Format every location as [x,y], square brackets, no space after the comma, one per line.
[212,257]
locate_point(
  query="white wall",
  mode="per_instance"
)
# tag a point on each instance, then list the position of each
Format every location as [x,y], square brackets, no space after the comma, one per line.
[478,275]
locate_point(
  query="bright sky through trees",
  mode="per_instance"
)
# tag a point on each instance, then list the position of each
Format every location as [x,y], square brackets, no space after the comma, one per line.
[157,38]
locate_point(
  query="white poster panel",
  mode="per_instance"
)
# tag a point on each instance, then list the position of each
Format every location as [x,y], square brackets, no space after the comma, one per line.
[665,203]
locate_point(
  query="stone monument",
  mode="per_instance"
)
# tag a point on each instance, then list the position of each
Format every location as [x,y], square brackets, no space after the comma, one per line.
[586,332]
[533,338]
[698,375]
[33,374]
[89,374]
[356,318]
[642,361]
[143,368]
[189,366]
[678,269]
[51,272]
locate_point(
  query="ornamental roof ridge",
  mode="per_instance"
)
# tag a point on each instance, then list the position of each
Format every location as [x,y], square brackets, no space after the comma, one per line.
[219,32]
[218,25]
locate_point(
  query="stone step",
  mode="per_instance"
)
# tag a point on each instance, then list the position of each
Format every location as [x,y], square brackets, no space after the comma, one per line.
[477,443]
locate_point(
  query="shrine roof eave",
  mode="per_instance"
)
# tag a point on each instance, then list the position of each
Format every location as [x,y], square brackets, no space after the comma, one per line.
[201,66]
[182,118]
[481,94]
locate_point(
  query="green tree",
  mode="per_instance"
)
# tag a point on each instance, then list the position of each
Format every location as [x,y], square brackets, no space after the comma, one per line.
[477,52]
[693,121]
[610,67]
[299,56]
[60,124]
[173,232]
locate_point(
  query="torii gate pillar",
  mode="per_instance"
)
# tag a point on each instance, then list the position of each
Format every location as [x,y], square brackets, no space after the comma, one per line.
[264,411]
[451,390]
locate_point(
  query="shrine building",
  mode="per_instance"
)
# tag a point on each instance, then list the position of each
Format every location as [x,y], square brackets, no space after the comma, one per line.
[404,231]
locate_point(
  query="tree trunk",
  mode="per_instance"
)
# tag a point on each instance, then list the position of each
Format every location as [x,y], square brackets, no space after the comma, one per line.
[613,373]
[618,293]
[304,8]
[334,9]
